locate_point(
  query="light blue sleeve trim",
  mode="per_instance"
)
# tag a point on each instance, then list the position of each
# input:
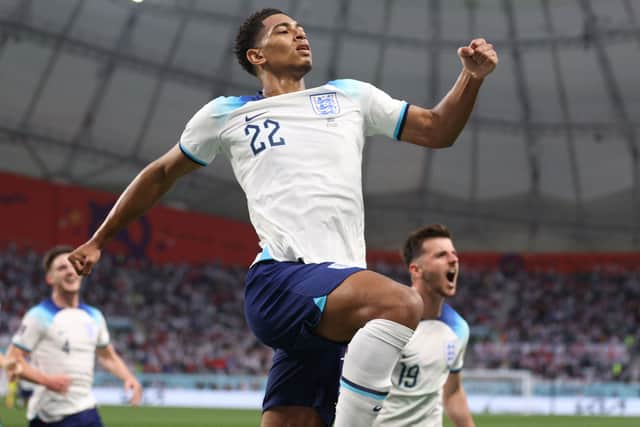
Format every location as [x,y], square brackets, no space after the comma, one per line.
[320,302]
[455,371]
[362,392]
[190,156]
[21,347]
[401,120]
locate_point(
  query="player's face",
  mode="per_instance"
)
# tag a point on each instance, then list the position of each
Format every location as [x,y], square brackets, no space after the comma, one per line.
[63,276]
[284,46]
[437,267]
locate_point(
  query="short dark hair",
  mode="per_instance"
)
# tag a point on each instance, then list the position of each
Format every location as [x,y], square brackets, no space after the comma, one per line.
[413,245]
[52,254]
[247,35]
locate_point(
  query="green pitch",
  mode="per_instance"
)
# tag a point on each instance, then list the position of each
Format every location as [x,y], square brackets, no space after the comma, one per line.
[115,416]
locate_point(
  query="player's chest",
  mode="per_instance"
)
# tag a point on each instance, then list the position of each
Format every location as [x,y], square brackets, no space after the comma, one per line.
[427,359]
[72,334]
[301,129]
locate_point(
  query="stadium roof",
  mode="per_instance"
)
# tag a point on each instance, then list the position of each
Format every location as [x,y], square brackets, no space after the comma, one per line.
[91,91]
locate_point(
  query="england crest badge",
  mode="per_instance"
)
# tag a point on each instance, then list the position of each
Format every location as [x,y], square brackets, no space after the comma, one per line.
[325,104]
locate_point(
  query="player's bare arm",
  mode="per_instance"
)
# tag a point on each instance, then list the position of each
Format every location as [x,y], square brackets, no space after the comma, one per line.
[57,383]
[455,402]
[440,126]
[12,366]
[112,362]
[139,196]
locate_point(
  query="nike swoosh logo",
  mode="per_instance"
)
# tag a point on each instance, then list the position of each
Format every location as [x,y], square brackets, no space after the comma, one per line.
[249,118]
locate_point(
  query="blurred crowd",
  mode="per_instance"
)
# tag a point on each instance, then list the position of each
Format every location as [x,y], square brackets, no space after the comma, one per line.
[189,318]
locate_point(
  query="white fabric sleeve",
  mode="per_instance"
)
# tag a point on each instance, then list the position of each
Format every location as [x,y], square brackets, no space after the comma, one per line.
[199,140]
[458,363]
[103,331]
[30,331]
[384,115]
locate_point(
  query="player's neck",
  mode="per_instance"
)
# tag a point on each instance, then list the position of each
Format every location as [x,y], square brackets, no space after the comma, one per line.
[432,305]
[65,299]
[273,85]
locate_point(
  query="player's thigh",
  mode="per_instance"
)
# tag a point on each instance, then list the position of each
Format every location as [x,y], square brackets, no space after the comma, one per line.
[364,296]
[291,416]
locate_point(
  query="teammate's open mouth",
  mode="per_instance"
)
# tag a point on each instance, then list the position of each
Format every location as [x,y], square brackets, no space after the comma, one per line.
[451,275]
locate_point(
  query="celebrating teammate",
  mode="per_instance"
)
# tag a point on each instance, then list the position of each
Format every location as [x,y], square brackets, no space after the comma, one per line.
[62,337]
[428,372]
[297,154]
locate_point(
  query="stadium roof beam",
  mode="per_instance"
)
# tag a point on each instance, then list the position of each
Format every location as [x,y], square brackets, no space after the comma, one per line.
[227,59]
[175,9]
[100,53]
[83,134]
[435,30]
[628,8]
[17,136]
[159,84]
[44,80]
[409,202]
[617,101]
[566,116]
[21,14]
[342,20]
[472,16]
[531,144]
[377,79]
[201,80]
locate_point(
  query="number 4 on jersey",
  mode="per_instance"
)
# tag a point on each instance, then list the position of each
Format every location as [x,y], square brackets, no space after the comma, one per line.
[66,348]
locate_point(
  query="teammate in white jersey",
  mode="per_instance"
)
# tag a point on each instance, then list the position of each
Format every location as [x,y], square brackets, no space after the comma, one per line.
[61,336]
[428,374]
[297,154]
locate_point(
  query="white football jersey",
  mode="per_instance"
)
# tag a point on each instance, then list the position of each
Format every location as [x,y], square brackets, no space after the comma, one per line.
[436,349]
[62,341]
[298,158]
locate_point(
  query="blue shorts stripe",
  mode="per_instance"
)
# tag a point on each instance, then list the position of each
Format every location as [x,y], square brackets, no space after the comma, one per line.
[349,385]
[321,302]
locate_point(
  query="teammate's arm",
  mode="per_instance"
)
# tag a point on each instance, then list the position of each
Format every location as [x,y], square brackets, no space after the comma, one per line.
[139,196]
[11,365]
[440,126]
[57,383]
[455,402]
[112,362]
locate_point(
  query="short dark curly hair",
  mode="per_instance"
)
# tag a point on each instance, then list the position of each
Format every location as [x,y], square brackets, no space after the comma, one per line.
[413,245]
[247,35]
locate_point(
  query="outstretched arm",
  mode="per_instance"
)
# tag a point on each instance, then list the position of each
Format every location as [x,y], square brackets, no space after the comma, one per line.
[440,126]
[139,196]
[455,402]
[57,383]
[112,362]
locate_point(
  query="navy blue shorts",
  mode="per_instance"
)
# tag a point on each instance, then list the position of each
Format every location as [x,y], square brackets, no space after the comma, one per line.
[283,305]
[88,418]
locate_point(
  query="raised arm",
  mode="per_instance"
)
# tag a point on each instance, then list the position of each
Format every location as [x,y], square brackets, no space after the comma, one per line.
[139,196]
[440,126]
[455,402]
[112,362]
